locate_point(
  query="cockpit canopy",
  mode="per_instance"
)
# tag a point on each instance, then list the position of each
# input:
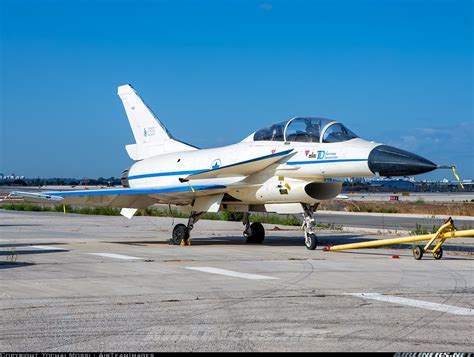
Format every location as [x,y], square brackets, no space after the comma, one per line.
[308,130]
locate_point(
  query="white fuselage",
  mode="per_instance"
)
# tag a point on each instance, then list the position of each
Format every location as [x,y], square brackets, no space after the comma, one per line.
[308,162]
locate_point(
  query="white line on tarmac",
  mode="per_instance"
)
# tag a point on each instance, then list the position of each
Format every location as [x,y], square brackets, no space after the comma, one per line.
[45,247]
[117,256]
[416,303]
[234,274]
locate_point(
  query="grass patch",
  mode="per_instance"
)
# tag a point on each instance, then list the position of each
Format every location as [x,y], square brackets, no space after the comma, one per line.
[11,256]
[419,201]
[419,230]
[287,220]
[331,226]
[373,209]
[102,211]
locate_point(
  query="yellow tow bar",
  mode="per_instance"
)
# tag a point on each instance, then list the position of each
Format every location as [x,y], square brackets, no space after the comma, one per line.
[446,231]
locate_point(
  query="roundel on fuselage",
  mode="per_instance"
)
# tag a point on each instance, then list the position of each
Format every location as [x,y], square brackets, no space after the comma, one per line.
[216,164]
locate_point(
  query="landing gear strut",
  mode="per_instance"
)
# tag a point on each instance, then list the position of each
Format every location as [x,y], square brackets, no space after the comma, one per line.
[181,231]
[310,239]
[255,232]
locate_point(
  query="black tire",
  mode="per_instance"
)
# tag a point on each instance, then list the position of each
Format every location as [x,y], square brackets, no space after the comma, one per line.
[311,241]
[417,252]
[257,235]
[180,232]
[438,254]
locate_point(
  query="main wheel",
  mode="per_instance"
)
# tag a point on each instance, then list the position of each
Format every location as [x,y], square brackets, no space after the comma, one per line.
[438,254]
[257,234]
[180,232]
[417,252]
[311,241]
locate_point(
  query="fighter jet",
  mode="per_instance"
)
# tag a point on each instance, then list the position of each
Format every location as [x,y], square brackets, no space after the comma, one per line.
[287,168]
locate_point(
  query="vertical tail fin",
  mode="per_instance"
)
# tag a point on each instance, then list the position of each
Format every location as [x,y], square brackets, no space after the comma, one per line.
[151,136]
[146,127]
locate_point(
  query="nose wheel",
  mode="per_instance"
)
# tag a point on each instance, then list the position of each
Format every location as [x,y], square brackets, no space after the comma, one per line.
[311,241]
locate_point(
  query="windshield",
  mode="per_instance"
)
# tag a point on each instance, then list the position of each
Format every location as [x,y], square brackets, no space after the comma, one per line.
[336,133]
[271,133]
[305,129]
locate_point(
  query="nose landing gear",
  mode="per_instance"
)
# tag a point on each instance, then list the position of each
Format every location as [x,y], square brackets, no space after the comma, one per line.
[310,238]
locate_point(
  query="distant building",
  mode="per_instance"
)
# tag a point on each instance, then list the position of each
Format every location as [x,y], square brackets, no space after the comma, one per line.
[11,177]
[390,185]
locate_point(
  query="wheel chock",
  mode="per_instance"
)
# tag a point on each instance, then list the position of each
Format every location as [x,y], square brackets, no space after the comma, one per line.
[185,243]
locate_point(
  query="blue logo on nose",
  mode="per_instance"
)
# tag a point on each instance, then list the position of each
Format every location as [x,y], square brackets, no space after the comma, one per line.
[321,154]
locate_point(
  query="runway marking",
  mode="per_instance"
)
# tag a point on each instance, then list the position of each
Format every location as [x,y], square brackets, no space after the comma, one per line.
[234,274]
[117,256]
[416,303]
[45,247]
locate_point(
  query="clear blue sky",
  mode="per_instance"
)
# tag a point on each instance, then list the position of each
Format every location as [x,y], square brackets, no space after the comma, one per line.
[398,72]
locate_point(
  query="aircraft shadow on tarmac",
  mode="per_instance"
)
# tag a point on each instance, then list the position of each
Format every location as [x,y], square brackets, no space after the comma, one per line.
[31,251]
[19,245]
[12,248]
[276,241]
[10,265]
[220,240]
[272,240]
[21,225]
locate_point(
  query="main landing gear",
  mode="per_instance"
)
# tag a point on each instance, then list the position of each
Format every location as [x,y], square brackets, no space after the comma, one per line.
[181,231]
[254,233]
[310,239]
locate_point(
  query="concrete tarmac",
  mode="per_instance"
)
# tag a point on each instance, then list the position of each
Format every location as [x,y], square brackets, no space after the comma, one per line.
[96,283]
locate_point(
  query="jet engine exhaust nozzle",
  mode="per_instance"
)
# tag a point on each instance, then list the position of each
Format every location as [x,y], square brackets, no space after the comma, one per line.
[391,161]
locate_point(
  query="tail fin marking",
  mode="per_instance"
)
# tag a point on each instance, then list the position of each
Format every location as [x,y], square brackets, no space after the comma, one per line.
[151,136]
[145,125]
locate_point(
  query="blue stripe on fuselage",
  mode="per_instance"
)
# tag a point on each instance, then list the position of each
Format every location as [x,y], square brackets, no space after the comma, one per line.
[171,173]
[323,161]
[133,191]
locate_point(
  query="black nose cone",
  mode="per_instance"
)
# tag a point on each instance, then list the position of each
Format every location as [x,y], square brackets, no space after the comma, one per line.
[390,161]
